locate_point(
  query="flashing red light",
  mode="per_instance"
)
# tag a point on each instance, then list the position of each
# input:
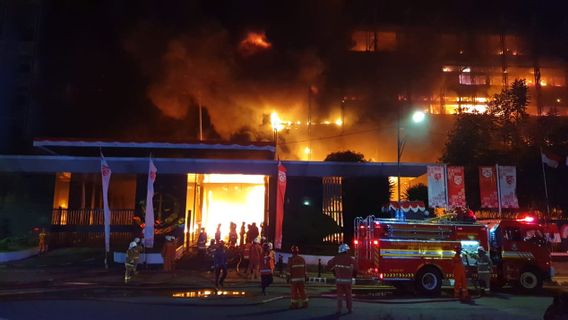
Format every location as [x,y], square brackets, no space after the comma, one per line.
[355,242]
[362,227]
[376,242]
[376,269]
[527,219]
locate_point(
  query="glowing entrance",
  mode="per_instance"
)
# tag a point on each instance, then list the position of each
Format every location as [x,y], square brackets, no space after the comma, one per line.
[224,198]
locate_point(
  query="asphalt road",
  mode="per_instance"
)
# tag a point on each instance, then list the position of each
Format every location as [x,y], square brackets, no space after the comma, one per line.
[501,306]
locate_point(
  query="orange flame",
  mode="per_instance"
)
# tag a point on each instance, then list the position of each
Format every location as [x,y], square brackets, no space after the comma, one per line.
[254,42]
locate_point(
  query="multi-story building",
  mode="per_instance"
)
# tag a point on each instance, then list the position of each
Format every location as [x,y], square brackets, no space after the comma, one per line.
[19,40]
[445,72]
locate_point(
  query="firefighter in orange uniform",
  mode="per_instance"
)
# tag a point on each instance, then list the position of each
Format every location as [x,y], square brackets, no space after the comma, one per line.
[169,254]
[460,285]
[42,241]
[256,257]
[298,271]
[345,267]
[266,267]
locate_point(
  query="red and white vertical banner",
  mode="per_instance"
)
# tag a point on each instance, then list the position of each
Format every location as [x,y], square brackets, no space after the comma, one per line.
[437,187]
[105,174]
[149,219]
[280,196]
[508,187]
[488,187]
[456,187]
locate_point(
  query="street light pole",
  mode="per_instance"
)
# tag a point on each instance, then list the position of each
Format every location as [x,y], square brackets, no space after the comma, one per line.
[398,161]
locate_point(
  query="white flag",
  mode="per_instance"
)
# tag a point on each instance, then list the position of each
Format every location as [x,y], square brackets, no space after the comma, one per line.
[436,187]
[105,174]
[149,219]
[508,187]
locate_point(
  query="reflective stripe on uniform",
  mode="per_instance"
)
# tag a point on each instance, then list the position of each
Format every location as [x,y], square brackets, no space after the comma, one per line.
[298,279]
[517,255]
[343,266]
[340,280]
[266,270]
[298,266]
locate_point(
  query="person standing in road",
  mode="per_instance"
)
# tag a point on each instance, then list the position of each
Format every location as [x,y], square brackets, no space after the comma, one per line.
[255,259]
[266,267]
[242,234]
[244,263]
[254,231]
[169,254]
[484,267]
[233,235]
[345,267]
[42,241]
[218,234]
[130,262]
[460,285]
[202,243]
[297,270]
[220,263]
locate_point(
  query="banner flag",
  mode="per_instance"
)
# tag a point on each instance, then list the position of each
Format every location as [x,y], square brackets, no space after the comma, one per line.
[436,187]
[488,187]
[550,159]
[105,174]
[280,194]
[508,187]
[149,219]
[456,187]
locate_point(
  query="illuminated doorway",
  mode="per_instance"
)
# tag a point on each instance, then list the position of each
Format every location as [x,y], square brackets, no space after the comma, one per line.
[216,199]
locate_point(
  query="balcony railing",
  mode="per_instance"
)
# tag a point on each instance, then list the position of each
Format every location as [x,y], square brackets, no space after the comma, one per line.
[90,217]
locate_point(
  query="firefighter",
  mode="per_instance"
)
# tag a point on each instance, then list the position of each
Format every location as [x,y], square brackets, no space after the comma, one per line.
[242,234]
[460,285]
[218,233]
[42,241]
[297,270]
[483,270]
[255,258]
[254,231]
[169,254]
[211,254]
[345,267]
[220,264]
[244,263]
[132,256]
[233,235]
[266,267]
[202,242]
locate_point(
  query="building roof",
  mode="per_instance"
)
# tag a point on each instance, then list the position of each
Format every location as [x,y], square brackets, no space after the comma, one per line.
[139,165]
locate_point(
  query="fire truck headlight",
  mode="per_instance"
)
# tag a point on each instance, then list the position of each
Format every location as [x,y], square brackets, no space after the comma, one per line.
[381,276]
[376,242]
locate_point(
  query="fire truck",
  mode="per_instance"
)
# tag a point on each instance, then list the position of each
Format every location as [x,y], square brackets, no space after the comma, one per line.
[421,251]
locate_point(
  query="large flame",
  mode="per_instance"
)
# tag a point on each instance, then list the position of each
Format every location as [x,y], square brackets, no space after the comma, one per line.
[254,42]
[232,198]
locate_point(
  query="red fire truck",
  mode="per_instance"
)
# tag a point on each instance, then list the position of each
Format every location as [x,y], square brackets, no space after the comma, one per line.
[421,251]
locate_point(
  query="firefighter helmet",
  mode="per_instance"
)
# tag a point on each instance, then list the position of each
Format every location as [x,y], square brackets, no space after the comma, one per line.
[343,248]
[480,248]
[295,250]
[137,240]
[256,240]
[132,245]
[270,245]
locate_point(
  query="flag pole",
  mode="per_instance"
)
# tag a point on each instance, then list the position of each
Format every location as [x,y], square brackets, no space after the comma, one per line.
[545,184]
[498,189]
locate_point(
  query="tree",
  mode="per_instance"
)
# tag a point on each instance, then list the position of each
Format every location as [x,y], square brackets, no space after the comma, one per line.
[345,156]
[417,192]
[509,111]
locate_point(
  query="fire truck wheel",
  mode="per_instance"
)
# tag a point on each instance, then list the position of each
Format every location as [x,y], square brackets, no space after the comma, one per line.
[530,280]
[429,281]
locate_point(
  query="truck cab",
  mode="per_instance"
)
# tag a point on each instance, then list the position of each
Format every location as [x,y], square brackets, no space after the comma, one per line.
[519,249]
